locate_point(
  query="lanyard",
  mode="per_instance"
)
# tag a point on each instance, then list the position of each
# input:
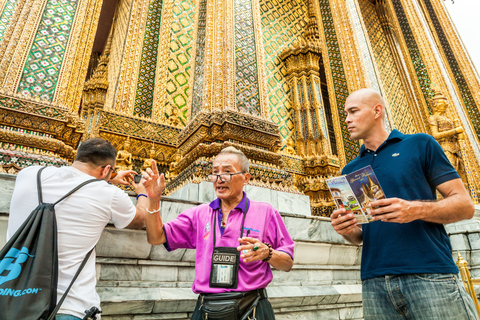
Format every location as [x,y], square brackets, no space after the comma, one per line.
[215,223]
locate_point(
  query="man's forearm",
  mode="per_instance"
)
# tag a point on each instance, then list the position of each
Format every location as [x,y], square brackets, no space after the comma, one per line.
[354,237]
[449,210]
[155,233]
[281,261]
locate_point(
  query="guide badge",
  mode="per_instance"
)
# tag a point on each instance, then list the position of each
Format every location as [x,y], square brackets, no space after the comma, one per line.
[225,261]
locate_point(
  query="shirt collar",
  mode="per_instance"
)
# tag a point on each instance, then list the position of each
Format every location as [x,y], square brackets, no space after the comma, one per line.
[215,204]
[394,135]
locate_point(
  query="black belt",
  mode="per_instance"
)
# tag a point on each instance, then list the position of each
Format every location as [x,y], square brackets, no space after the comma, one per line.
[235,295]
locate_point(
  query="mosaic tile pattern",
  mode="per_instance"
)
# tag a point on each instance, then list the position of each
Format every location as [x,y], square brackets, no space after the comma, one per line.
[180,61]
[371,74]
[467,97]
[6,15]
[398,105]
[283,22]
[415,56]
[44,61]
[148,63]
[25,159]
[199,59]
[246,73]
[339,81]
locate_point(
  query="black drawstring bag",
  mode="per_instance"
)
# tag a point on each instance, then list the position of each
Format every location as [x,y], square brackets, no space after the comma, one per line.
[29,265]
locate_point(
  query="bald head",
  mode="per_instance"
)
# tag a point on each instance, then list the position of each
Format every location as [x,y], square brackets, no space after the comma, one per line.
[369,97]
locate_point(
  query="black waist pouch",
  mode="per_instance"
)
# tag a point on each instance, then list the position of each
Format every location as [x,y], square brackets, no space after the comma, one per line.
[229,305]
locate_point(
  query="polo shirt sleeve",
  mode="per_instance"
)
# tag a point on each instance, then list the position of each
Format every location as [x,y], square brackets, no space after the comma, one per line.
[277,234]
[181,233]
[437,166]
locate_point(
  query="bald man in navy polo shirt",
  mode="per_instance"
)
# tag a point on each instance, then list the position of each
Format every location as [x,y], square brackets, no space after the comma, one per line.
[407,268]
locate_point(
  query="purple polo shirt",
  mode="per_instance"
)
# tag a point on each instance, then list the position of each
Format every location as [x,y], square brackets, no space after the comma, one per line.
[193,230]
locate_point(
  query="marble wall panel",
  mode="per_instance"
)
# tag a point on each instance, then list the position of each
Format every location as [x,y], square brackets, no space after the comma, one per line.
[315,296]
[351,313]
[186,274]
[125,307]
[316,277]
[159,273]
[293,203]
[120,272]
[459,242]
[312,253]
[123,244]
[160,253]
[349,293]
[3,231]
[343,255]
[189,255]
[171,210]
[474,240]
[331,314]
[176,300]
[7,184]
[293,278]
[304,229]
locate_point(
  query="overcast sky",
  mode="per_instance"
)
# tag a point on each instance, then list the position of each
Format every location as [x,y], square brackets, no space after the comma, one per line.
[466,17]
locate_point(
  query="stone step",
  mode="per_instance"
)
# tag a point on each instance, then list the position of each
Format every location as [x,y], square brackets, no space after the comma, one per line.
[289,302]
[133,272]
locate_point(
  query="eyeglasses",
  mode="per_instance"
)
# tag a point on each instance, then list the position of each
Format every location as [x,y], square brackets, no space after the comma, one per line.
[224,177]
[114,171]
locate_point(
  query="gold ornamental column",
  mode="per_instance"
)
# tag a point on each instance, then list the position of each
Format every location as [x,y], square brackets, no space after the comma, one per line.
[304,63]
[229,98]
[44,55]
[419,111]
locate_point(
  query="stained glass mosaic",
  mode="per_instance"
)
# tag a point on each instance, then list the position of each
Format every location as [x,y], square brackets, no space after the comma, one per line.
[45,59]
[180,60]
[246,73]
[283,22]
[467,97]
[414,52]
[199,58]
[6,15]
[148,63]
[396,96]
[339,81]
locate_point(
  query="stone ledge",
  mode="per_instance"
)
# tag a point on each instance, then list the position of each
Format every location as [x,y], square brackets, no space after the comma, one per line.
[133,301]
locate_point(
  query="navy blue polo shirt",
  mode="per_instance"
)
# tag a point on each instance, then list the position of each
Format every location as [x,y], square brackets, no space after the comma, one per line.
[409,167]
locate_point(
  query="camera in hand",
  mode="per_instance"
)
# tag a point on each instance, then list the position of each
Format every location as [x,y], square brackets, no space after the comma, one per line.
[91,314]
[137,178]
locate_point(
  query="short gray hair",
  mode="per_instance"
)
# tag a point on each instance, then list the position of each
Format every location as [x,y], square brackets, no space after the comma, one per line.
[242,159]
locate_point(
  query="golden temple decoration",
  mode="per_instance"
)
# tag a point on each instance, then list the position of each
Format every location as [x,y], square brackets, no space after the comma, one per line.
[233,85]
[147,163]
[304,63]
[94,94]
[451,138]
[418,110]
[124,157]
[131,54]
[17,40]
[77,55]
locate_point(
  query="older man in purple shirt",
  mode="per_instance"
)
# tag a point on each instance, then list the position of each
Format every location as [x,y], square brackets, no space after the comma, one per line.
[237,240]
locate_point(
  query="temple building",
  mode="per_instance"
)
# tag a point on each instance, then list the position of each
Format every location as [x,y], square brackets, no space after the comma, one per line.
[178,80]
[181,79]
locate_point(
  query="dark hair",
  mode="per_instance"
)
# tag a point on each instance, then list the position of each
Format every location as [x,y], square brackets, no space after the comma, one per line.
[96,151]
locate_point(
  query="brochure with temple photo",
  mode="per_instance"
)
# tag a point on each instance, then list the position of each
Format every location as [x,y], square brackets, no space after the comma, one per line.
[355,191]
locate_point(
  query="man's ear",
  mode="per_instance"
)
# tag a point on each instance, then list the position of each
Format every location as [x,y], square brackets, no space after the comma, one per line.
[378,110]
[105,171]
[247,178]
